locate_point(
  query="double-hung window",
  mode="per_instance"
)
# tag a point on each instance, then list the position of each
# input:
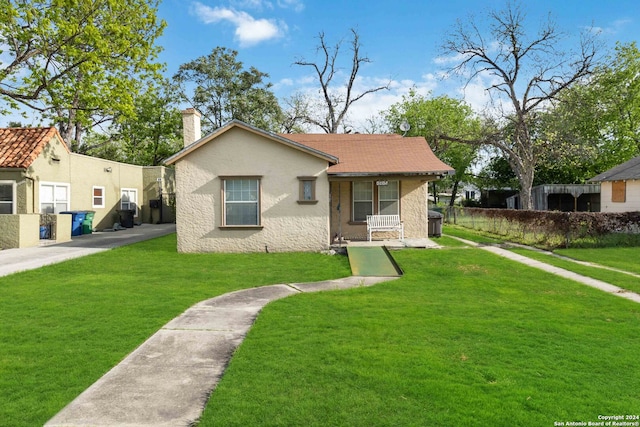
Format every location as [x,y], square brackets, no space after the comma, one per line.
[7,197]
[388,198]
[54,197]
[375,198]
[241,197]
[362,200]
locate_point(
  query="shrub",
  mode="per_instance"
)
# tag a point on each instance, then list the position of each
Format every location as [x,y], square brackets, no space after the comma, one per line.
[551,229]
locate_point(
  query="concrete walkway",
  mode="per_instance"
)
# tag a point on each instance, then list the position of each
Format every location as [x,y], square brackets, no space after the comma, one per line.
[594,283]
[169,378]
[16,260]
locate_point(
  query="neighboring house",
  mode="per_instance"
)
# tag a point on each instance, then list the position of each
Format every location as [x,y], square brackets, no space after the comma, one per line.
[242,189]
[561,197]
[39,175]
[620,187]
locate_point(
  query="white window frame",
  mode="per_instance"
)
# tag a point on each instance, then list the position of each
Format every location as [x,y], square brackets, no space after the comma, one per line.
[13,195]
[396,200]
[55,201]
[257,201]
[354,200]
[127,205]
[101,197]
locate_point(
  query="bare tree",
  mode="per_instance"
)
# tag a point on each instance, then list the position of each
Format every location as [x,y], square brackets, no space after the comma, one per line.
[526,72]
[337,102]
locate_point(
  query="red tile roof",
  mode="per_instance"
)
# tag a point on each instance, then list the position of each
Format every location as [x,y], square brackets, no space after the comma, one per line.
[19,147]
[375,154]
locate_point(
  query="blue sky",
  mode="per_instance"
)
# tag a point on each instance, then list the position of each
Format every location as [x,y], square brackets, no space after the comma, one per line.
[401,38]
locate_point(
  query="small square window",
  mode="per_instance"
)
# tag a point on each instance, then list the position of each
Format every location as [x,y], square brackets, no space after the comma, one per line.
[307,190]
[97,197]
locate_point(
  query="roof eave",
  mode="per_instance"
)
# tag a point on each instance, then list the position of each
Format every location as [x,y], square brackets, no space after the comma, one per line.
[373,174]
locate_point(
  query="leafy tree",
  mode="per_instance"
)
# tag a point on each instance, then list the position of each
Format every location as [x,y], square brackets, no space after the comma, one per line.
[297,108]
[596,124]
[76,61]
[526,72]
[330,112]
[221,89]
[434,117]
[150,135]
[496,174]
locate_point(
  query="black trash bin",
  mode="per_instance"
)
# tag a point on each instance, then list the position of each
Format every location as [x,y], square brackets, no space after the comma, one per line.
[435,224]
[126,217]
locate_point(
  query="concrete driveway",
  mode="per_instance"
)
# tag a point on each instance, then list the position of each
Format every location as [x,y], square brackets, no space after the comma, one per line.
[15,260]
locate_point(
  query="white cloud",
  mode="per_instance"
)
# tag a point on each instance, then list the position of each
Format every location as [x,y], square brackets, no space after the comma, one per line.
[448,60]
[249,31]
[614,28]
[296,5]
[252,4]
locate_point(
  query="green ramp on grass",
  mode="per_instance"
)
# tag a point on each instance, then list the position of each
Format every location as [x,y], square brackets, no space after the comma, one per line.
[372,261]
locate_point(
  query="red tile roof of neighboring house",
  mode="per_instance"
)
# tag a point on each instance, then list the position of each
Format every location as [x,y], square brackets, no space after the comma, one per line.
[19,147]
[362,154]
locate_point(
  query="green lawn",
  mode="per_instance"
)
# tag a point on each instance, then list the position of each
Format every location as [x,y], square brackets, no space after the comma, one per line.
[623,258]
[471,235]
[622,280]
[65,325]
[464,338]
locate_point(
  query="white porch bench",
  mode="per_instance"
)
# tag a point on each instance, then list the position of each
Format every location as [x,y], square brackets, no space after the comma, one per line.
[384,223]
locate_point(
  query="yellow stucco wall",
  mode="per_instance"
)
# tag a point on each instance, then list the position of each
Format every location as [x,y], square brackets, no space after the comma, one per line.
[286,224]
[19,231]
[56,165]
[86,172]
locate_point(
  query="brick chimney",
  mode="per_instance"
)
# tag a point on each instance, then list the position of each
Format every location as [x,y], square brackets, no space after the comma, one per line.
[191,126]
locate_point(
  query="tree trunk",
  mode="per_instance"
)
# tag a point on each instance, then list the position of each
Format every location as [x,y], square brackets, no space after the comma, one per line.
[454,193]
[526,184]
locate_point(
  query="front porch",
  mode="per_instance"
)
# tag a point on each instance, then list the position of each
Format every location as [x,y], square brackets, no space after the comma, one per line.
[411,243]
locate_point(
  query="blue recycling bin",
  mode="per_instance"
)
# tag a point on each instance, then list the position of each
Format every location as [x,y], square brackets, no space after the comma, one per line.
[77,218]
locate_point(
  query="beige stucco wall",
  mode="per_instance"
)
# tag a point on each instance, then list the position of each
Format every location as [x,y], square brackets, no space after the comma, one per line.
[413,210]
[19,231]
[631,204]
[287,225]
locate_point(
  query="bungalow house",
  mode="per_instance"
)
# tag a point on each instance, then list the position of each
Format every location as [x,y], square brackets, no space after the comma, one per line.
[39,175]
[242,189]
[620,187]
